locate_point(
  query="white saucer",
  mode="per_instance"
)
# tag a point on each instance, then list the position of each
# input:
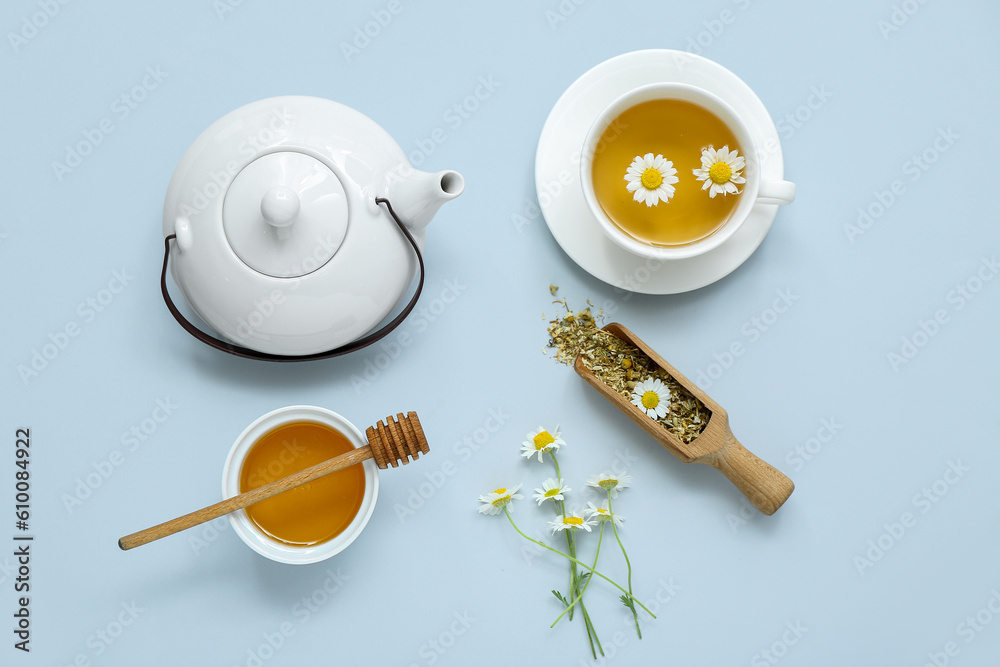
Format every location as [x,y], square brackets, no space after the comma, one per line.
[557,171]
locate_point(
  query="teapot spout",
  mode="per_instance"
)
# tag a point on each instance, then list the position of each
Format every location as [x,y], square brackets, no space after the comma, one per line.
[418,196]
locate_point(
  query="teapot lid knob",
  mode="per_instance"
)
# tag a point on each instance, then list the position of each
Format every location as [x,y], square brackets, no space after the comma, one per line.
[280,207]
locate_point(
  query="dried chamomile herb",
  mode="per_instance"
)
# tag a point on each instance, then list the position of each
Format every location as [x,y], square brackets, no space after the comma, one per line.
[622,366]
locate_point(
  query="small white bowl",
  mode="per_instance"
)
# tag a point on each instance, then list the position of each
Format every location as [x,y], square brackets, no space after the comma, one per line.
[250,533]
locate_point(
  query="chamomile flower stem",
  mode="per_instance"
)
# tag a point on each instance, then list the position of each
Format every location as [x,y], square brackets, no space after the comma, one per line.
[573,575]
[627,563]
[574,583]
[571,546]
[574,589]
[579,598]
[556,462]
[591,631]
[580,563]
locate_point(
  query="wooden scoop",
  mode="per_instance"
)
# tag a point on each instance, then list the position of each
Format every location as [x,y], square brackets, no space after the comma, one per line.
[392,443]
[762,484]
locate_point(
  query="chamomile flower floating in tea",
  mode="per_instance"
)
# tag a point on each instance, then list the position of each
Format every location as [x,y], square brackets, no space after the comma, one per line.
[610,482]
[651,179]
[720,169]
[652,397]
[571,522]
[540,442]
[497,500]
[602,513]
[552,489]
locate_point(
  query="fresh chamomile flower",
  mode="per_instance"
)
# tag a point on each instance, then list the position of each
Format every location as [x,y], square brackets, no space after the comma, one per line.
[720,169]
[651,179]
[552,489]
[610,481]
[540,442]
[571,522]
[602,513]
[495,501]
[652,397]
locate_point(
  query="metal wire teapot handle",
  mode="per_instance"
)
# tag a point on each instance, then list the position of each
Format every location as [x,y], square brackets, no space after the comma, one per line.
[247,353]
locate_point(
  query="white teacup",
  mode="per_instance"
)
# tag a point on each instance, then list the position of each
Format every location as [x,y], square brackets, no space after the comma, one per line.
[755,191]
[248,531]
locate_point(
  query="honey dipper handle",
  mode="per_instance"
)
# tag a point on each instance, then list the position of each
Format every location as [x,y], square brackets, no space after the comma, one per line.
[761,483]
[245,499]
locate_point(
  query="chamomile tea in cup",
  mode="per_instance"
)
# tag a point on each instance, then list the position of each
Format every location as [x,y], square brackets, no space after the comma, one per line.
[670,171]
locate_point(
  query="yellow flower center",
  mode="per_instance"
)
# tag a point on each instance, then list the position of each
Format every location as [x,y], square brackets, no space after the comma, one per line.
[651,178]
[543,440]
[501,490]
[650,400]
[720,173]
[573,520]
[551,492]
[601,510]
[501,501]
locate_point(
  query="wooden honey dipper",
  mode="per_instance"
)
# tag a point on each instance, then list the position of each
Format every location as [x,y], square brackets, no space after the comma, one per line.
[392,443]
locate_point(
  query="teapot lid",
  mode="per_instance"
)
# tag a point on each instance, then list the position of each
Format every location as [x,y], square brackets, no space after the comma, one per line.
[285,214]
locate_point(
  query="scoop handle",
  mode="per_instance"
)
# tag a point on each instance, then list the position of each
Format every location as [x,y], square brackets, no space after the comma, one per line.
[761,483]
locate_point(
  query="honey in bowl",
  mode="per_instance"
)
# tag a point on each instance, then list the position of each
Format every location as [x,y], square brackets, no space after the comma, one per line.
[312,513]
[679,131]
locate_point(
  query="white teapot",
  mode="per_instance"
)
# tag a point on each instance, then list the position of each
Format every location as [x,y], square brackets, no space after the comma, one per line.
[295,226]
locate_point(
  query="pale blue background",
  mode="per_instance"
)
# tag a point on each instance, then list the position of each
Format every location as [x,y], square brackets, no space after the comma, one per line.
[739,584]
